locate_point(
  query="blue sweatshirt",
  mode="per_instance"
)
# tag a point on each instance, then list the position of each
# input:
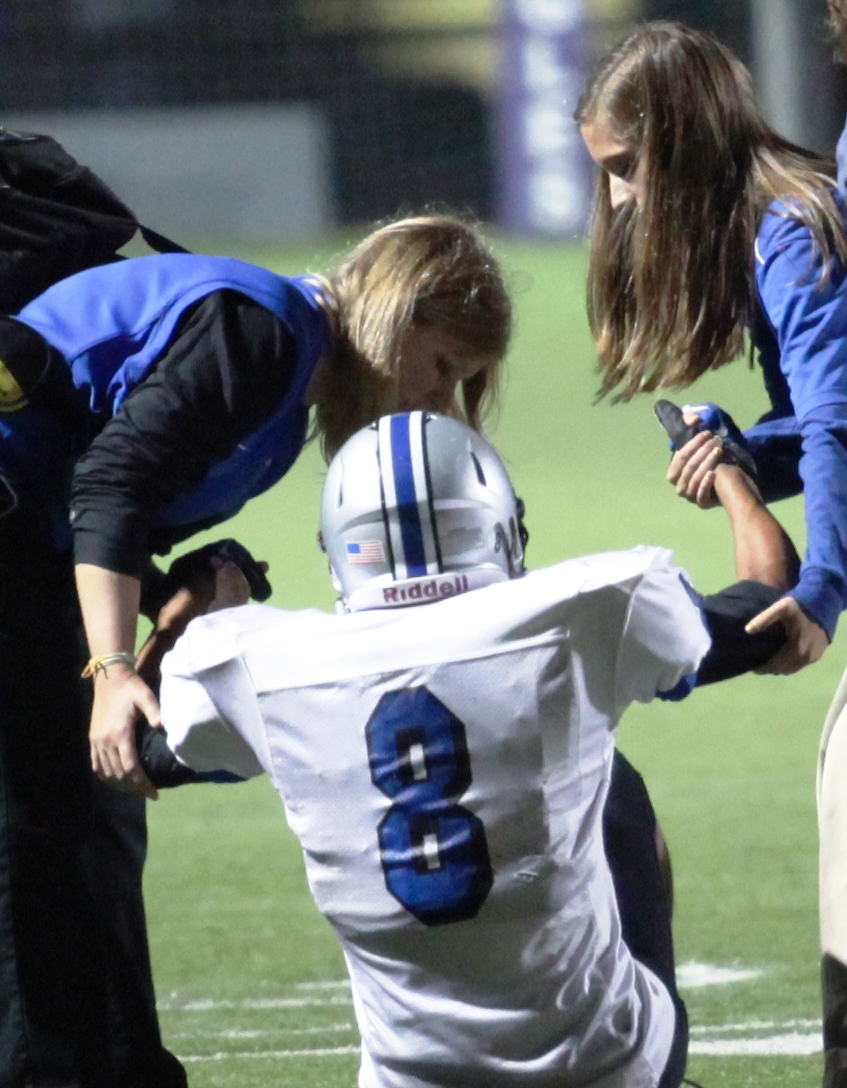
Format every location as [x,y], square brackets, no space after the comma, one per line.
[801,444]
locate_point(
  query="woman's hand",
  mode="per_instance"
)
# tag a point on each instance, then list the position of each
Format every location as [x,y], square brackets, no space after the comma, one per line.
[806,640]
[120,696]
[692,468]
[110,606]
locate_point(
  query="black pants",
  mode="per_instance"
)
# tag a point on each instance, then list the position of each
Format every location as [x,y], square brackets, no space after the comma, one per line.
[76,994]
[629,834]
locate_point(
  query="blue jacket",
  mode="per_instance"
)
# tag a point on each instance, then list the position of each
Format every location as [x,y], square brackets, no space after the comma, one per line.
[801,444]
[112,324]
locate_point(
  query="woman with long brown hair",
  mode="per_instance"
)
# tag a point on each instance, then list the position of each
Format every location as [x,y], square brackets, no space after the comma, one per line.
[709,229]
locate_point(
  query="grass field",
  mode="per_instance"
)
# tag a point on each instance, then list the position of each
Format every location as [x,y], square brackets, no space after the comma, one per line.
[248,975]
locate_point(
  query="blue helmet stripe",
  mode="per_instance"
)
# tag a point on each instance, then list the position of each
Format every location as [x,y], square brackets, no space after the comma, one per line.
[407,500]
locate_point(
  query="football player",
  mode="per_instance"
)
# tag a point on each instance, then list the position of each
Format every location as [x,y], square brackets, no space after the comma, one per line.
[443,749]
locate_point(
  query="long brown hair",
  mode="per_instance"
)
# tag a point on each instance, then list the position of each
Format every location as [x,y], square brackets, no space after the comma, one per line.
[436,270]
[671,280]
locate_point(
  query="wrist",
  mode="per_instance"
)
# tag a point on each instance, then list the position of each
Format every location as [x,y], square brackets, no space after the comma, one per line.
[735,490]
[119,662]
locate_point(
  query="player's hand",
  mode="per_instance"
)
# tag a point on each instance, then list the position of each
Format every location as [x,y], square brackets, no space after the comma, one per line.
[697,433]
[174,616]
[221,575]
[231,587]
[120,697]
[692,468]
[805,643]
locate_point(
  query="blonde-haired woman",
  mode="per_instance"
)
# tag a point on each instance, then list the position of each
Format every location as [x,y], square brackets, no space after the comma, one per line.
[140,402]
[407,288]
[710,227]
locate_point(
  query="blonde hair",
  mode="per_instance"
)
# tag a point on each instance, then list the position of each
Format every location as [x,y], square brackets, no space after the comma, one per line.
[671,285]
[432,270]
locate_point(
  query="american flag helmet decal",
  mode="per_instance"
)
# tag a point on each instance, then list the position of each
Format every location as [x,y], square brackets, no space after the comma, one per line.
[366,552]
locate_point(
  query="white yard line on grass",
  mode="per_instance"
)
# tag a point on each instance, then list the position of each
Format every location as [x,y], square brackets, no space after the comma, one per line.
[690,976]
[326,984]
[324,1052]
[694,976]
[747,1026]
[210,1005]
[791,1044]
[767,1046]
[261,1033]
[784,1038]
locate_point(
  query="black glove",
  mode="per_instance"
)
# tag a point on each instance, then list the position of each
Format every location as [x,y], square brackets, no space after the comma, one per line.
[195,574]
[198,564]
[714,419]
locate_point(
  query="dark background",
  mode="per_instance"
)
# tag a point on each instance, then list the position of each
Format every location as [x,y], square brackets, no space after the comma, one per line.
[400,136]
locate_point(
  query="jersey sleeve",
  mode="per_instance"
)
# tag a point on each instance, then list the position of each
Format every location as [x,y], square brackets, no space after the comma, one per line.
[664,637]
[733,650]
[808,314]
[209,706]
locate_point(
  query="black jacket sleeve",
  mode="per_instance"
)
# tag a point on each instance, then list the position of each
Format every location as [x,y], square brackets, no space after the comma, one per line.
[163,768]
[225,370]
[733,651]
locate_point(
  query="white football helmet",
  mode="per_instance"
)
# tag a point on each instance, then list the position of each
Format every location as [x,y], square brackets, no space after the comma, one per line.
[418,507]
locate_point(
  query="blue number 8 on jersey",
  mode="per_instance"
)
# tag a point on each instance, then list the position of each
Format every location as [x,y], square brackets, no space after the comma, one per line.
[433,851]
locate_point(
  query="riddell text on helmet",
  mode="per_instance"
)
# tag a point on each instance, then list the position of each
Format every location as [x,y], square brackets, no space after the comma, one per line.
[431,590]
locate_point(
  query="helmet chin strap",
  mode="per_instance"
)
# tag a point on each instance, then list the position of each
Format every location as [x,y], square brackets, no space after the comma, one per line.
[411,591]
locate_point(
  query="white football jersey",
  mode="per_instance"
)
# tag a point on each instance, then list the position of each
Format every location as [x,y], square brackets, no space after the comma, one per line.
[445,767]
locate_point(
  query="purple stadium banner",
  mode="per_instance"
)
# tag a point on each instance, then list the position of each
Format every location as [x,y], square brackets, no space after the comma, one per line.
[545,172]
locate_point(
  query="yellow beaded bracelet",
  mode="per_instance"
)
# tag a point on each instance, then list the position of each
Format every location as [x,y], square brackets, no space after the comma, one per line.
[118,657]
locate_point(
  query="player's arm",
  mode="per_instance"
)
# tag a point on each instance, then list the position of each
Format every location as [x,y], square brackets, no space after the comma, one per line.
[805,616]
[764,551]
[220,575]
[753,622]
[766,564]
[774,619]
